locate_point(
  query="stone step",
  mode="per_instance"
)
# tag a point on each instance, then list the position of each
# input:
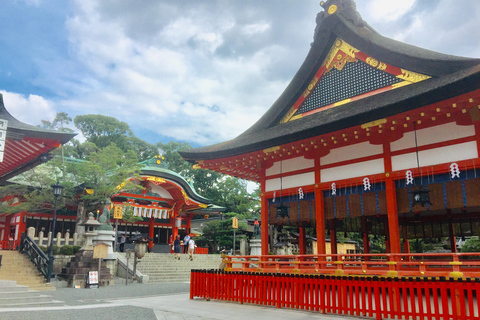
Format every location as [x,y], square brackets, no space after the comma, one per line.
[165,268]
[18,268]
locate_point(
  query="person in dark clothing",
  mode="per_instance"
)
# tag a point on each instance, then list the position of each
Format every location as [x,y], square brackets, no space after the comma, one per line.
[122,243]
[176,247]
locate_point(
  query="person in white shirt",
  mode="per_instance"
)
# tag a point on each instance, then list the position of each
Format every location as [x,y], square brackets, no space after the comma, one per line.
[191,248]
[185,243]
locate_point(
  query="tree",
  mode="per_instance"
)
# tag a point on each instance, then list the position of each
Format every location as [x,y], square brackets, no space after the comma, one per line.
[223,190]
[471,245]
[59,123]
[103,130]
[102,172]
[219,234]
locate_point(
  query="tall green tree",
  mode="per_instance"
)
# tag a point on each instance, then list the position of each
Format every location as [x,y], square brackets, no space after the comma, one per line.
[103,130]
[102,172]
[219,234]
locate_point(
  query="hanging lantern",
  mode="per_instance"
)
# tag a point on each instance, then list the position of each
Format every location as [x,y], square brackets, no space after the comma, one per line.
[178,222]
[206,216]
[421,196]
[282,211]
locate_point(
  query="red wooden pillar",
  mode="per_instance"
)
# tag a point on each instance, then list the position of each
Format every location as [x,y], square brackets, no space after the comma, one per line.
[333,236]
[451,233]
[174,234]
[302,241]
[320,221]
[319,211]
[189,224]
[366,241]
[151,230]
[393,227]
[392,212]
[264,224]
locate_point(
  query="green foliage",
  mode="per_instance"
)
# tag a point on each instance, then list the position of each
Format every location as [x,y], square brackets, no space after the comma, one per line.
[128,215]
[219,233]
[56,249]
[223,190]
[471,245]
[68,250]
[104,130]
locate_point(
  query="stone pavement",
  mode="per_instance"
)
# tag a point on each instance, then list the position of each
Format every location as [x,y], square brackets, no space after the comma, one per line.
[168,301]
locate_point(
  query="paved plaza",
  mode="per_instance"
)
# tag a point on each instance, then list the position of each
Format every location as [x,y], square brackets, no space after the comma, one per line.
[168,301]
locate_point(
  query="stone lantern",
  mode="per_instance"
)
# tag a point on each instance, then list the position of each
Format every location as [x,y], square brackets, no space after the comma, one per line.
[90,232]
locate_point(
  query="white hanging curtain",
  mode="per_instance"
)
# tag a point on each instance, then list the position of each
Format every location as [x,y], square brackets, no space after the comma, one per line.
[150,212]
[135,211]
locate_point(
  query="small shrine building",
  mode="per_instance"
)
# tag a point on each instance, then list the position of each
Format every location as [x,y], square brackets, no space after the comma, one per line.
[166,200]
[367,128]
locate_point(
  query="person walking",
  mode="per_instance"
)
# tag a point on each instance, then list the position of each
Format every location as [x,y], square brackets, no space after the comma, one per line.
[185,243]
[122,243]
[191,248]
[176,247]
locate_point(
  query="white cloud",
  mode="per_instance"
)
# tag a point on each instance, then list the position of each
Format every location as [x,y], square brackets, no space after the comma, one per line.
[31,109]
[387,11]
[204,72]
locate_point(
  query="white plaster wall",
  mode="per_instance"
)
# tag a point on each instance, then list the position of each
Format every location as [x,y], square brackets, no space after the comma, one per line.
[458,152]
[290,165]
[161,191]
[355,151]
[299,180]
[360,169]
[441,133]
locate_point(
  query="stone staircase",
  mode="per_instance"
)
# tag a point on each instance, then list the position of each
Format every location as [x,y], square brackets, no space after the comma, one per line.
[17,267]
[16,296]
[162,267]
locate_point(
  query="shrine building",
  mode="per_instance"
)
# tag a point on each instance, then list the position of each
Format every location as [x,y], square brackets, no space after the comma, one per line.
[372,135]
[22,147]
[166,202]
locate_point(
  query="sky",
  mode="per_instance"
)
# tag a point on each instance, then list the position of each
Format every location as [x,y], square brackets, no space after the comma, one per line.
[192,71]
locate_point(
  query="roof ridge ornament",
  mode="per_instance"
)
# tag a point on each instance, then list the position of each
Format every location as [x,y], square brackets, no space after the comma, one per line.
[346,8]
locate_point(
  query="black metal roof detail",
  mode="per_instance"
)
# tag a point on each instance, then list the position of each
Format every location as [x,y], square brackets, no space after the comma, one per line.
[451,76]
[354,79]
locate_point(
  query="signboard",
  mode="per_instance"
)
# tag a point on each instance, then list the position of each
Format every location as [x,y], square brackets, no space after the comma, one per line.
[100,251]
[93,277]
[234,223]
[3,124]
[3,136]
[118,212]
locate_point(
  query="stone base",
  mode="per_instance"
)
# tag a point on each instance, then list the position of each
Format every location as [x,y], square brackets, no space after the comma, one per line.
[76,272]
[255,247]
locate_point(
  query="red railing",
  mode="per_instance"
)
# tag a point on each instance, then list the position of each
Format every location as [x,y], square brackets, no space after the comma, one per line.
[401,265]
[8,245]
[376,297]
[199,250]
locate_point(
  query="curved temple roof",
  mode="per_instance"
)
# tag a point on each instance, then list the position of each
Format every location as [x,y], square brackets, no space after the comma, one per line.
[167,190]
[26,146]
[399,78]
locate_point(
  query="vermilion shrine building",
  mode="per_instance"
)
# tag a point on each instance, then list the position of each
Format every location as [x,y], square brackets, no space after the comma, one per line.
[24,147]
[365,122]
[167,201]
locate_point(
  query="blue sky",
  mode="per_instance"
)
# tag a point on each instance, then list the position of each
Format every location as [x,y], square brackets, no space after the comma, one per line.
[196,71]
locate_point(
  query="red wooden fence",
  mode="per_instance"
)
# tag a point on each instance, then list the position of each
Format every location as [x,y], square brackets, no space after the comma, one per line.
[376,297]
[378,264]
[200,250]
